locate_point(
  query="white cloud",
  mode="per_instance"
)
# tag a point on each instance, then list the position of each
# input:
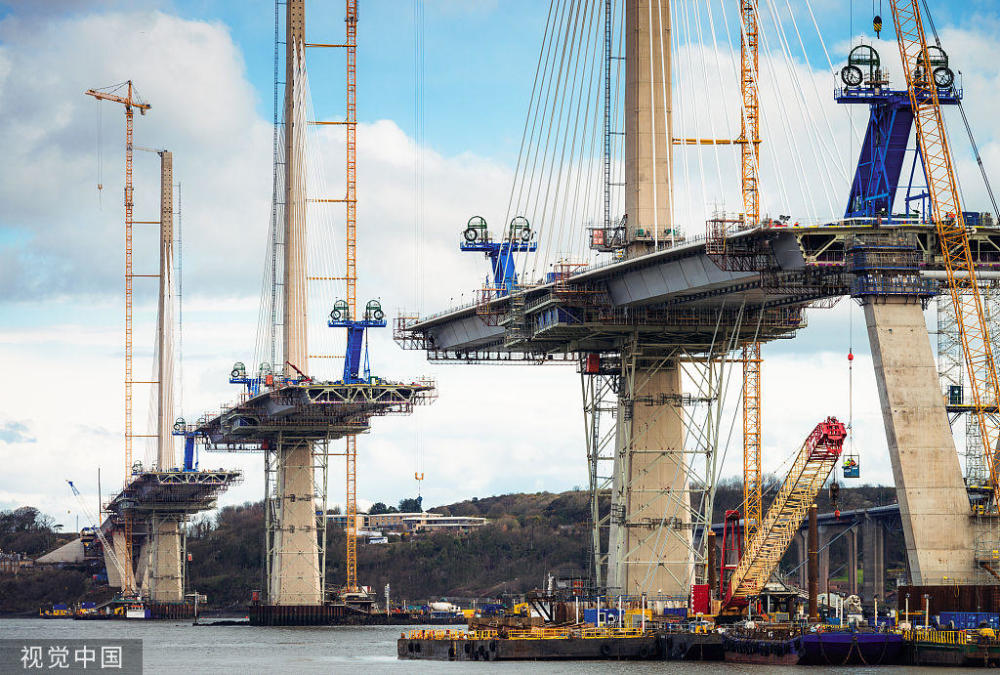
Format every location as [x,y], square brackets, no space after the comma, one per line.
[58,241]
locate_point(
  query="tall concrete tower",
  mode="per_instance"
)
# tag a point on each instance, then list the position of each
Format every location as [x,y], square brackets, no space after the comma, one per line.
[294,555]
[648,125]
[165,578]
[650,537]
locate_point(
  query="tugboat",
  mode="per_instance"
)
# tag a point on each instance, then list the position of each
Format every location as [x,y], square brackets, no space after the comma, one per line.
[136,610]
[58,611]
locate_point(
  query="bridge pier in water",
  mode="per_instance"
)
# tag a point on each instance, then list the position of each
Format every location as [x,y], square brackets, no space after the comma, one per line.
[164,578]
[293,548]
[873,559]
[650,536]
[294,551]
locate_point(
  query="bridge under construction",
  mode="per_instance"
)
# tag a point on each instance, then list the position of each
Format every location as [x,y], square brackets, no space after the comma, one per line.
[146,521]
[654,320]
[655,327]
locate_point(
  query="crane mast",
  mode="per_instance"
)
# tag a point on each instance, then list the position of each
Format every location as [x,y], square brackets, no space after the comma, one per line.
[131,104]
[351,269]
[97,528]
[946,211]
[750,163]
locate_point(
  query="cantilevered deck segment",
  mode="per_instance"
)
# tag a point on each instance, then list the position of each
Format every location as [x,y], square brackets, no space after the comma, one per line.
[316,411]
[680,294]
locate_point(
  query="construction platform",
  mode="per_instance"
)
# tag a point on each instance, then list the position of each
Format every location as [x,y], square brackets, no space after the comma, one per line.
[559,644]
[758,280]
[175,491]
[337,615]
[309,411]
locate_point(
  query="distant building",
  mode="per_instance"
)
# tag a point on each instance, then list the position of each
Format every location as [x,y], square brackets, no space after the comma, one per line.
[429,522]
[12,563]
[408,522]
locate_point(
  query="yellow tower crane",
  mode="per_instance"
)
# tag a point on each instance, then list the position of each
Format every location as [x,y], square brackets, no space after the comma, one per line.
[750,162]
[946,210]
[715,246]
[350,200]
[351,273]
[131,103]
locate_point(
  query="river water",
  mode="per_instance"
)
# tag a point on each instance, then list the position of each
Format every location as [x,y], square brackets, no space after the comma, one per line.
[179,647]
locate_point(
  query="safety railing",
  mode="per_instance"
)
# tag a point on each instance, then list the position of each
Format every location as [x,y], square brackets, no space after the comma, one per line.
[540,634]
[605,632]
[941,637]
[536,633]
[450,634]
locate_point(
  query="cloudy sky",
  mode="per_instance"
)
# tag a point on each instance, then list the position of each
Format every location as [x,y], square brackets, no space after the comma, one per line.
[206,68]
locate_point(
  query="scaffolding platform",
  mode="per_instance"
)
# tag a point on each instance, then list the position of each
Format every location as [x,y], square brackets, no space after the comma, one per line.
[310,411]
[174,492]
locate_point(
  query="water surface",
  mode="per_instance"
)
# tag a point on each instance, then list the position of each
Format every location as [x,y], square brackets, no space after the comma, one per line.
[179,647]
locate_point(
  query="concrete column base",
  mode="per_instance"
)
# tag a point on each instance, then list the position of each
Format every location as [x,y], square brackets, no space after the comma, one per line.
[651,552]
[295,562]
[166,581]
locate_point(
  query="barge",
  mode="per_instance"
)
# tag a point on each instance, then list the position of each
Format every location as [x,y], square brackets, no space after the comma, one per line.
[554,644]
[789,645]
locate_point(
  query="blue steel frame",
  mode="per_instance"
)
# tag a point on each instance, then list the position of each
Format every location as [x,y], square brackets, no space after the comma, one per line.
[355,341]
[876,178]
[501,255]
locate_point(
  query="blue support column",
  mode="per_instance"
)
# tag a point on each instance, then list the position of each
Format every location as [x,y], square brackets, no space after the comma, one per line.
[339,318]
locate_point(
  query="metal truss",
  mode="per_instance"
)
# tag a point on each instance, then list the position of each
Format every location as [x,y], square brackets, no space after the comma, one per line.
[171,492]
[499,356]
[952,373]
[311,411]
[600,404]
[404,335]
[273,498]
[684,533]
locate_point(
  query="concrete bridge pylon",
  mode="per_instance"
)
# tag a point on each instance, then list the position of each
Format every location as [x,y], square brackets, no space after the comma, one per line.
[933,502]
[649,546]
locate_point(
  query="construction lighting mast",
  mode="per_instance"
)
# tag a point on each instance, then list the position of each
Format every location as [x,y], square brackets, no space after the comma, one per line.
[946,211]
[131,103]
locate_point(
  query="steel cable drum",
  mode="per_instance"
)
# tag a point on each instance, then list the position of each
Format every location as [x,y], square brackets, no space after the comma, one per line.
[943,77]
[938,67]
[340,311]
[475,229]
[373,310]
[519,228]
[860,59]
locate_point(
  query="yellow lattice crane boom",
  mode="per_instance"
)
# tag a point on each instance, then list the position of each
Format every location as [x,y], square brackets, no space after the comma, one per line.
[946,210]
[131,103]
[816,459]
